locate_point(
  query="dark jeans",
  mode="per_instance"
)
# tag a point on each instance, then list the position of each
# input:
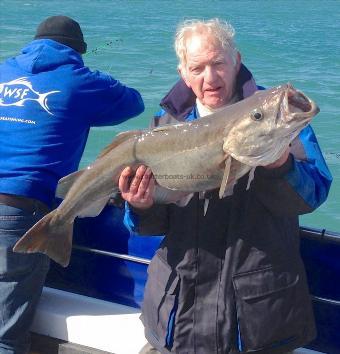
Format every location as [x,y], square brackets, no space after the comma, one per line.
[22,278]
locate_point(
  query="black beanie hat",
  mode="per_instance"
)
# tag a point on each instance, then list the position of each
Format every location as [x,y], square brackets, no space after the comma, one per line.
[63,30]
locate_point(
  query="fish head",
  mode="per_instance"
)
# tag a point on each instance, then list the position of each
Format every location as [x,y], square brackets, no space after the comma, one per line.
[266,124]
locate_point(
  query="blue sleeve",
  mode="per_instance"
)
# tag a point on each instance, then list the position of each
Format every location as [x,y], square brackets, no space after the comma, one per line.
[152,222]
[130,219]
[310,176]
[300,185]
[108,101]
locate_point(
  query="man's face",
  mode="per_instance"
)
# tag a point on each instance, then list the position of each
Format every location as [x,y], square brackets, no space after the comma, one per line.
[210,71]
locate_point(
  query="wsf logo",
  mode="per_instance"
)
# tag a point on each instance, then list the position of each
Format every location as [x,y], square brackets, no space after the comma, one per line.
[18,91]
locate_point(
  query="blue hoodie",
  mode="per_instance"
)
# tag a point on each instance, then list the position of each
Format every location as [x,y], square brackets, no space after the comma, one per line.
[48,102]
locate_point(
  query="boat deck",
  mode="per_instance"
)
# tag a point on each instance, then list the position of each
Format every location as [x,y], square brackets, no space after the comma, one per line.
[47,345]
[83,324]
[44,345]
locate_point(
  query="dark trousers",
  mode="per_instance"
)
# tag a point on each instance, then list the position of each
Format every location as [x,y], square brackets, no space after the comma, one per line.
[22,278]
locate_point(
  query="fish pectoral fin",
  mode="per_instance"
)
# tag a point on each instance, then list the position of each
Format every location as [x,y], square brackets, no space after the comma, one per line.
[225,176]
[54,240]
[66,183]
[120,138]
[94,208]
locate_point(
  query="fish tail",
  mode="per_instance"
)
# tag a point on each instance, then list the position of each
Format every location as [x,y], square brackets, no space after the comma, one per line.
[43,101]
[51,238]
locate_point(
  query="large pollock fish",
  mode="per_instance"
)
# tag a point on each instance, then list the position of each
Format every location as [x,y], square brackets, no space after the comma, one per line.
[209,153]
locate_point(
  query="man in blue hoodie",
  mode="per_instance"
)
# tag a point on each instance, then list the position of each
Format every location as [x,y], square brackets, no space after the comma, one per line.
[48,102]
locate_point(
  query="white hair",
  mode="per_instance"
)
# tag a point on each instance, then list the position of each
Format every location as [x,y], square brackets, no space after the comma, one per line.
[222,31]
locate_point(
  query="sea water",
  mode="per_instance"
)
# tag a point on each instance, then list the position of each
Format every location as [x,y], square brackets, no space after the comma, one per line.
[280,41]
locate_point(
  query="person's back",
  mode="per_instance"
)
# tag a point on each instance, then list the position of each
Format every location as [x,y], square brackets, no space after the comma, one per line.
[48,102]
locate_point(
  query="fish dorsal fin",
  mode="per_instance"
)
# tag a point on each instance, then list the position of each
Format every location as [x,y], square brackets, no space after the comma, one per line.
[121,137]
[66,183]
[225,176]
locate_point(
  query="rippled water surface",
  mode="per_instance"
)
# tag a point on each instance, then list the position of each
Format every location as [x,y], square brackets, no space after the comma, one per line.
[295,41]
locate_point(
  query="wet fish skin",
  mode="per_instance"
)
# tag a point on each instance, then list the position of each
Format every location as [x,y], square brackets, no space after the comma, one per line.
[211,152]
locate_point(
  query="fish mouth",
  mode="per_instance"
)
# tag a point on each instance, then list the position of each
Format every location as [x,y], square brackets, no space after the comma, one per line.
[297,106]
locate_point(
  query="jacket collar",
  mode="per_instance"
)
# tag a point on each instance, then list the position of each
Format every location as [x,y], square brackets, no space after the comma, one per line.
[180,100]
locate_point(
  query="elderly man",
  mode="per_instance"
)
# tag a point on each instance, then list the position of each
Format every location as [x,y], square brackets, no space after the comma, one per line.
[228,276]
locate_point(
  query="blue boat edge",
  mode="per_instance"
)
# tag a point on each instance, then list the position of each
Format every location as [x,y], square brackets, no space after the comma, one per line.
[109,266]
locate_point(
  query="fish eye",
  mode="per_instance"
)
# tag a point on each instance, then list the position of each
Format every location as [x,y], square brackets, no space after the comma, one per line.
[257,114]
